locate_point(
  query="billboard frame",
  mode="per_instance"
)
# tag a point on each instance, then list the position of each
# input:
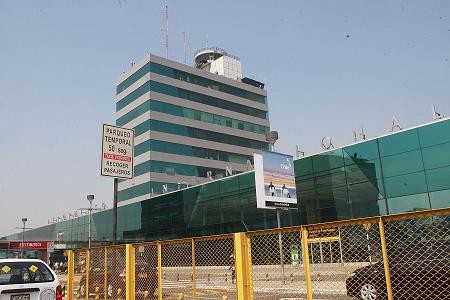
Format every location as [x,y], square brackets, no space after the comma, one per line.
[264,164]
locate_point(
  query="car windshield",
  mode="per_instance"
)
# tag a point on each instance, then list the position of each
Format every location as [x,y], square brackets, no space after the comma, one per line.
[20,272]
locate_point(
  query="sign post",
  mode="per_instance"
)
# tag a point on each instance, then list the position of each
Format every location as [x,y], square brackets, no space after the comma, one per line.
[117,160]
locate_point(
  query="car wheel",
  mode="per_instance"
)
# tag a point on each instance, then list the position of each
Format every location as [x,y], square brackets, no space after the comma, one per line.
[369,291]
[109,290]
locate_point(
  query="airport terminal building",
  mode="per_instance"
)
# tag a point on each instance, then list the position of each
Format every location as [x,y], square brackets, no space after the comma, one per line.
[407,170]
[196,129]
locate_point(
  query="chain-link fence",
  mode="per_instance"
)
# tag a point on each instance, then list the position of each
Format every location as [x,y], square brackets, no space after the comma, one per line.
[418,250]
[115,273]
[177,269]
[80,271]
[146,271]
[276,269]
[215,272]
[403,256]
[343,258]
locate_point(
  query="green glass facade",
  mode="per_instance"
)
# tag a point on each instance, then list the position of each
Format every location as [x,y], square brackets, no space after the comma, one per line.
[404,171]
[400,172]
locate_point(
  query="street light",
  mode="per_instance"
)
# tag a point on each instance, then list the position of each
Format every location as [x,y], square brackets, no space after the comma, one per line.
[90,199]
[22,246]
[24,220]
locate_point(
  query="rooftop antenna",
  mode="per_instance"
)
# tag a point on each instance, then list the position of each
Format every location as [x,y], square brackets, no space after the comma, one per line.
[166,29]
[206,41]
[184,47]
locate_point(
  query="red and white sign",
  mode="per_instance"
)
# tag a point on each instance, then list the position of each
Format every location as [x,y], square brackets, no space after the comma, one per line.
[28,245]
[117,152]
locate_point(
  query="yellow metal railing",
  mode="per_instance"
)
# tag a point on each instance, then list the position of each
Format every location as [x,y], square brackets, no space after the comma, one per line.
[397,256]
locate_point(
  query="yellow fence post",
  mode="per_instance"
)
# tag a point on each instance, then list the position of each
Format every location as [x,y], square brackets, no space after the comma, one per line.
[306,265]
[193,269]
[160,291]
[249,265]
[130,272]
[88,267]
[387,272]
[70,274]
[105,288]
[242,266]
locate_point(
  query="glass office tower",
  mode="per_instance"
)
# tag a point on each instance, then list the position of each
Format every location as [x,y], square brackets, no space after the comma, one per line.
[404,171]
[190,125]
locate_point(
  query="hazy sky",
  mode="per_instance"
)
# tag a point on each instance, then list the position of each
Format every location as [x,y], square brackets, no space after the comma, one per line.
[329,67]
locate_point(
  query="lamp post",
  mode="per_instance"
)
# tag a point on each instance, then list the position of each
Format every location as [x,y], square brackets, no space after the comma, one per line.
[90,199]
[24,220]
[271,138]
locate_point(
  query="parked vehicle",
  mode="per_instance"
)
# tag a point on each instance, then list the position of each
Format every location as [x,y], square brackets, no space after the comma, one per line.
[417,271]
[28,279]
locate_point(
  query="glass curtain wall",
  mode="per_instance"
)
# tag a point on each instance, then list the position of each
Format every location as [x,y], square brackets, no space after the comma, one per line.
[401,172]
[405,171]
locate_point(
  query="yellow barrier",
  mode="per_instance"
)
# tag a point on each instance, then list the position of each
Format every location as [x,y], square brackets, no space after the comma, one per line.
[390,257]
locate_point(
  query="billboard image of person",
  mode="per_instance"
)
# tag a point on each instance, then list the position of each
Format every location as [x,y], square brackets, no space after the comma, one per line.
[275,180]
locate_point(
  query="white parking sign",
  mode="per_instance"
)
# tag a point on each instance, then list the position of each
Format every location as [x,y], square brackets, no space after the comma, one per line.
[117,152]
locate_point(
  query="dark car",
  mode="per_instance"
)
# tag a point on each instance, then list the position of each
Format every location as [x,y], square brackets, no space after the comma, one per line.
[417,271]
[146,278]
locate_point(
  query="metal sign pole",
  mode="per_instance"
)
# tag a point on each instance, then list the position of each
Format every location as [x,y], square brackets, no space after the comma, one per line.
[90,212]
[114,217]
[280,244]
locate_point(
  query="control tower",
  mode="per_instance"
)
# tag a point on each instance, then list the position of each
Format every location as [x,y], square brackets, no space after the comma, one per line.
[218,61]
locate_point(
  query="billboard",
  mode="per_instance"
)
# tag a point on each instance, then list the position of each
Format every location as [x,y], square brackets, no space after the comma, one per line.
[117,152]
[275,181]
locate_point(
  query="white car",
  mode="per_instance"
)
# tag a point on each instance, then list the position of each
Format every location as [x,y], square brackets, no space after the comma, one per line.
[28,279]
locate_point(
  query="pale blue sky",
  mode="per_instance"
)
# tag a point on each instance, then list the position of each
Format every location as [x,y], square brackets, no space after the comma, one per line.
[329,67]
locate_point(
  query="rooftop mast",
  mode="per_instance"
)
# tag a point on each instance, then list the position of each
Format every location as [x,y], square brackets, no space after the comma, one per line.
[166,30]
